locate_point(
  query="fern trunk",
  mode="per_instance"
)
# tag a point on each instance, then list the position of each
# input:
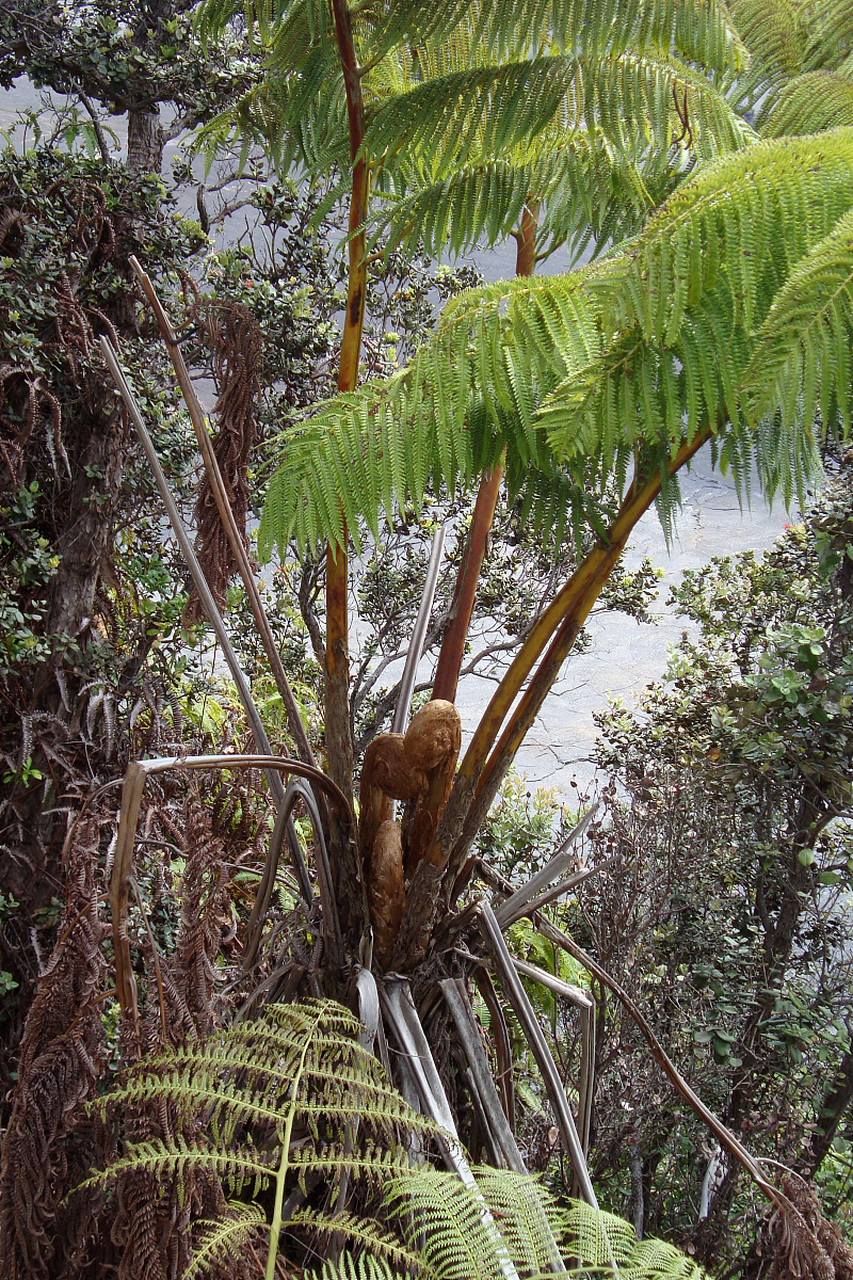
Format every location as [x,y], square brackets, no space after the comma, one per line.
[339,748]
[453,644]
[485,764]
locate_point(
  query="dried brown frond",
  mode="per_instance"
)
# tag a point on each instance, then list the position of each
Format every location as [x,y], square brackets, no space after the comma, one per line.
[25,401]
[205,913]
[235,343]
[60,1064]
[819,1253]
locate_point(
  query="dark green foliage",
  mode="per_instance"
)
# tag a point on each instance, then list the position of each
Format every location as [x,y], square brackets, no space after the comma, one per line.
[728,917]
[131,57]
[86,585]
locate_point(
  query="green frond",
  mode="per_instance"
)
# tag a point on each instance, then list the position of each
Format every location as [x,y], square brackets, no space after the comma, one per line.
[244,1077]
[656,1260]
[732,223]
[598,1239]
[365,453]
[706,270]
[528,1217]
[830,26]
[364,1267]
[702,29]
[788,38]
[488,108]
[173,1160]
[772,33]
[329,1121]
[801,359]
[484,92]
[634,101]
[809,103]
[362,1233]
[474,205]
[223,1242]
[439,1214]
[628,356]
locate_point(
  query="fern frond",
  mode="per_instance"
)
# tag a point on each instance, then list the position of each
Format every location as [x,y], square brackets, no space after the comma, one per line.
[528,1217]
[809,103]
[329,1120]
[608,135]
[222,1242]
[772,31]
[364,1233]
[364,1267]
[656,1260]
[704,272]
[487,347]
[702,29]
[639,351]
[830,33]
[801,359]
[439,1214]
[177,1157]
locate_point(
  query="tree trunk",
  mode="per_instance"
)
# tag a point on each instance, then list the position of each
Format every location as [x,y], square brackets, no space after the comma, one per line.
[85,543]
[145,140]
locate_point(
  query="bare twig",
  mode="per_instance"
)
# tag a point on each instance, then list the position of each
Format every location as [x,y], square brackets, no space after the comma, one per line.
[721,1133]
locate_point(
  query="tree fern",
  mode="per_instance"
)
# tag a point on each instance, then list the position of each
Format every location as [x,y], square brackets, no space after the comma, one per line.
[635,352]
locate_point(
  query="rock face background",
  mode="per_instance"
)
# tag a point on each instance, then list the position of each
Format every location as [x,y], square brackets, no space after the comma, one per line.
[622,655]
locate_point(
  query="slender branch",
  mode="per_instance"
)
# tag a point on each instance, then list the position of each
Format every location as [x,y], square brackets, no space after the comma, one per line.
[103,144]
[226,515]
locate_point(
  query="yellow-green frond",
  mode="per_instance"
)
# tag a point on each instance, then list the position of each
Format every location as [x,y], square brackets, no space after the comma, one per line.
[729,246]
[701,29]
[809,103]
[830,27]
[623,359]
[222,1243]
[802,356]
[778,198]
[773,34]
